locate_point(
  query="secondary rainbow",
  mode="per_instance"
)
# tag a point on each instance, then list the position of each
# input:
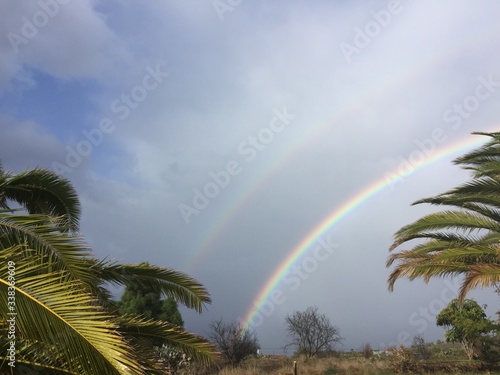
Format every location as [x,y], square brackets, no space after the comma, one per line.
[340,212]
[222,218]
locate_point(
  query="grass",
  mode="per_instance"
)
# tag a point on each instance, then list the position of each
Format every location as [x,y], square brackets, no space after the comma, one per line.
[442,358]
[315,366]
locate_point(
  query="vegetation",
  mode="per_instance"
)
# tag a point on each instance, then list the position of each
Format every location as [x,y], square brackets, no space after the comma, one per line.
[447,358]
[466,322]
[139,300]
[39,191]
[57,317]
[366,350]
[420,349]
[234,342]
[462,241]
[311,333]
[66,322]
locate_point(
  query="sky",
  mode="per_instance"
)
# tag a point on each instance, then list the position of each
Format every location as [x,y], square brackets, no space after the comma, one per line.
[269,149]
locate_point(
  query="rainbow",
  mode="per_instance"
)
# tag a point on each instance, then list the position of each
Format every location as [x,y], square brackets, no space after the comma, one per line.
[338,213]
[243,191]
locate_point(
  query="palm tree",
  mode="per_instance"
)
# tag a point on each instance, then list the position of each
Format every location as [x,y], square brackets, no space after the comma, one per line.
[40,191]
[53,287]
[463,240]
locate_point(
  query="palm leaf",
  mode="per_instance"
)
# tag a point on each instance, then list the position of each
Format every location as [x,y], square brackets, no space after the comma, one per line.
[42,191]
[64,251]
[484,190]
[54,309]
[34,357]
[454,220]
[458,242]
[480,276]
[172,283]
[143,331]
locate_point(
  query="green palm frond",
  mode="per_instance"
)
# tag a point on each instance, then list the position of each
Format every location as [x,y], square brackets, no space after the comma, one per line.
[54,309]
[490,168]
[143,331]
[452,220]
[65,322]
[484,190]
[424,268]
[172,283]
[490,238]
[469,255]
[485,152]
[4,177]
[64,251]
[427,249]
[442,253]
[407,256]
[438,240]
[41,191]
[463,241]
[34,357]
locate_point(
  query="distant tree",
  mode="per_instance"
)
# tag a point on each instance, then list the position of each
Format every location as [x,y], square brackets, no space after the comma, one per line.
[234,342]
[311,333]
[139,300]
[170,312]
[466,322]
[366,350]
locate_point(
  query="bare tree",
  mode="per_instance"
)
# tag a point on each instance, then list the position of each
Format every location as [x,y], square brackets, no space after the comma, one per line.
[311,333]
[233,341]
[420,348]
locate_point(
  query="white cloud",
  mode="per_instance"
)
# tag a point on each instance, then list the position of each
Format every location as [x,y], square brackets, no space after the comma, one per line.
[67,40]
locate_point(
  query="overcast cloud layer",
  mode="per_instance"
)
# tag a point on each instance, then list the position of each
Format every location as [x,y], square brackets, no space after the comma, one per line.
[212,137]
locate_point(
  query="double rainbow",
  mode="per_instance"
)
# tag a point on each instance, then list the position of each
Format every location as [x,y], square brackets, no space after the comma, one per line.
[226,211]
[235,203]
[337,214]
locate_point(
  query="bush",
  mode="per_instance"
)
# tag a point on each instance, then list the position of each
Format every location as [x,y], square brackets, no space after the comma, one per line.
[489,349]
[173,359]
[401,359]
[366,350]
[420,349]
